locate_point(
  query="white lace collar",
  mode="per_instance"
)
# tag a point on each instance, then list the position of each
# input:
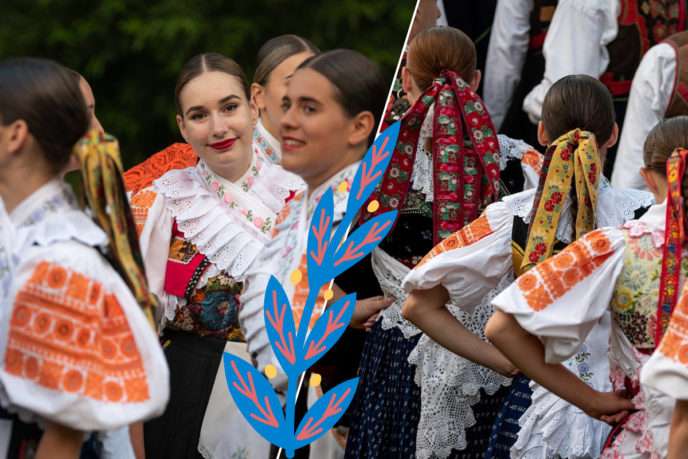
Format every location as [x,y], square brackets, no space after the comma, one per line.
[228,222]
[614,207]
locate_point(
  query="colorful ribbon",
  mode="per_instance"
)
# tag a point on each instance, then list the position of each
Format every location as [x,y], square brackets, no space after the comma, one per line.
[674,234]
[572,156]
[465,156]
[101,173]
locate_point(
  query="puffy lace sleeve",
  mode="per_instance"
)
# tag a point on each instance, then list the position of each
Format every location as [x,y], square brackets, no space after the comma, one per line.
[562,299]
[667,368]
[75,347]
[470,262]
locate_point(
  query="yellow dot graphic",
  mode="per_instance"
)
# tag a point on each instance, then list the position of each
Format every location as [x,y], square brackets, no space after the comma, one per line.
[270,371]
[296,276]
[343,187]
[315,380]
[328,294]
[373,206]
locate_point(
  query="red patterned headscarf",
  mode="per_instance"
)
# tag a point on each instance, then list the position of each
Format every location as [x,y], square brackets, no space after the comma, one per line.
[675,232]
[465,157]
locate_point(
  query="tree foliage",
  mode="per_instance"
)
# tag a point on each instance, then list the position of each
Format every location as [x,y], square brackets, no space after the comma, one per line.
[130,51]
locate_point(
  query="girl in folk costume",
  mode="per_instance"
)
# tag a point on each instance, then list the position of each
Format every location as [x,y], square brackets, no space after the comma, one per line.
[276,61]
[471,267]
[634,271]
[205,227]
[332,107]
[666,372]
[444,171]
[77,352]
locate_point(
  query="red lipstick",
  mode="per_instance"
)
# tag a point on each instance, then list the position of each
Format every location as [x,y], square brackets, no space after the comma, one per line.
[290,143]
[223,145]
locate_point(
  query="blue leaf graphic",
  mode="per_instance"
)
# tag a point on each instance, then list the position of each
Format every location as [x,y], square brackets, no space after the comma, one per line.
[328,329]
[280,326]
[256,399]
[361,242]
[325,412]
[372,168]
[319,234]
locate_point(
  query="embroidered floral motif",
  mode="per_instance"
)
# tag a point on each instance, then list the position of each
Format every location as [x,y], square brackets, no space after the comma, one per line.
[674,344]
[68,333]
[264,148]
[140,205]
[554,277]
[245,182]
[581,362]
[176,156]
[465,157]
[468,235]
[635,298]
[572,157]
[212,310]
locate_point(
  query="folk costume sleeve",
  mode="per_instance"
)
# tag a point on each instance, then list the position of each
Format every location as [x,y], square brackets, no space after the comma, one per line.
[561,299]
[470,262]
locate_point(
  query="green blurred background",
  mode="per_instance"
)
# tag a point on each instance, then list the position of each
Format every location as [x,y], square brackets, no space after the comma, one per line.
[130,50]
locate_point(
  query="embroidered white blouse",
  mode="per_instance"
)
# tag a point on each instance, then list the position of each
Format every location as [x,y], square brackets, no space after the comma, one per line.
[75,347]
[474,265]
[228,222]
[562,301]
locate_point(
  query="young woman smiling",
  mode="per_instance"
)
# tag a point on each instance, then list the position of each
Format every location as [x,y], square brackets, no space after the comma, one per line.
[331,110]
[276,62]
[206,225]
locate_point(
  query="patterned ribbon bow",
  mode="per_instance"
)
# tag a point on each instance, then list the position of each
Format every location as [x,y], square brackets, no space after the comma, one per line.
[572,156]
[98,154]
[673,242]
[465,157]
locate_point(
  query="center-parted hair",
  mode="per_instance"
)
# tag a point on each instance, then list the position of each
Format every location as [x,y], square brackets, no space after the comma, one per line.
[579,102]
[357,80]
[47,97]
[277,50]
[208,62]
[663,139]
[440,48]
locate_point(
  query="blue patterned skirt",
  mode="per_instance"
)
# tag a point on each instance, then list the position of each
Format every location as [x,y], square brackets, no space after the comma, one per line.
[387,402]
[505,430]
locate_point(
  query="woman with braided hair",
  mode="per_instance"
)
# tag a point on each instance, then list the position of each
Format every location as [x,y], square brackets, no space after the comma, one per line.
[451,290]
[444,171]
[635,272]
[77,352]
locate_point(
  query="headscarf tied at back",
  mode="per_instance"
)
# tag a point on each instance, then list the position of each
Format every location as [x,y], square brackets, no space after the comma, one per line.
[674,235]
[103,189]
[572,158]
[465,157]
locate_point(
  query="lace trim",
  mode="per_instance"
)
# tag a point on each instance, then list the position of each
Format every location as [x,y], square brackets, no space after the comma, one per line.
[552,427]
[450,384]
[390,275]
[614,207]
[510,149]
[224,236]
